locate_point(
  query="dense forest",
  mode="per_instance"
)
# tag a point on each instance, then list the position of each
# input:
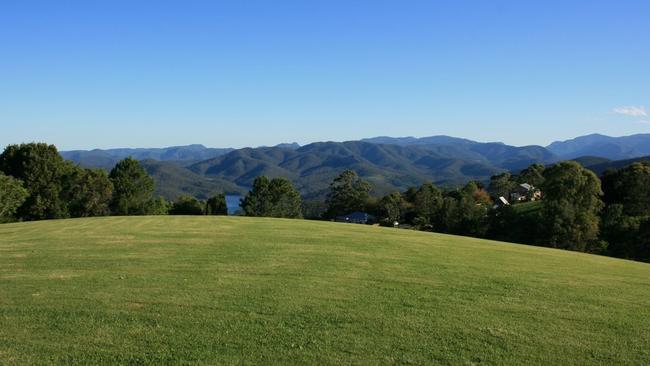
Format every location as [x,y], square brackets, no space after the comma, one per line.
[571,208]
[389,164]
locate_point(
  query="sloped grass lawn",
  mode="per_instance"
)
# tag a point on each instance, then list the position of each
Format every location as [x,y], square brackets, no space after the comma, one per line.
[219,290]
[528,208]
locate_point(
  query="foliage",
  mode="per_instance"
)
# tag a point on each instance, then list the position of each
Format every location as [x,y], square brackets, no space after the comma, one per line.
[533,175]
[285,200]
[216,205]
[568,217]
[40,167]
[272,198]
[12,196]
[348,193]
[515,223]
[392,208]
[158,206]
[172,180]
[257,202]
[88,192]
[461,212]
[133,188]
[387,167]
[626,219]
[629,187]
[313,209]
[427,203]
[502,185]
[186,205]
[570,207]
[467,211]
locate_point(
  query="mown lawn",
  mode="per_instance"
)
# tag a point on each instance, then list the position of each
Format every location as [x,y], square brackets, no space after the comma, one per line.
[223,290]
[527,208]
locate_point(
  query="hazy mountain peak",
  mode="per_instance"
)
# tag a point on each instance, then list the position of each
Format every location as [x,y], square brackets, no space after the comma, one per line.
[615,148]
[292,145]
[410,140]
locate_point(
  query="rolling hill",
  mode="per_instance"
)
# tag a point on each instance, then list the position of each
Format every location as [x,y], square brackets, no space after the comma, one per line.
[389,163]
[172,180]
[106,159]
[227,290]
[613,148]
[600,167]
[314,166]
[496,154]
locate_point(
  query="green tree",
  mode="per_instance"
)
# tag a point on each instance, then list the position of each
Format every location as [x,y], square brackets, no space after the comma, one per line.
[629,187]
[502,185]
[392,208]
[12,196]
[257,202]
[314,209]
[473,205]
[132,188]
[41,169]
[508,223]
[533,175]
[285,199]
[186,205]
[272,198]
[216,205]
[571,206]
[626,218]
[348,193]
[158,206]
[464,212]
[88,192]
[450,217]
[428,203]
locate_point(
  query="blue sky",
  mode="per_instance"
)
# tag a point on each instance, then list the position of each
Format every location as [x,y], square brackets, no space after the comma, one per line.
[86,74]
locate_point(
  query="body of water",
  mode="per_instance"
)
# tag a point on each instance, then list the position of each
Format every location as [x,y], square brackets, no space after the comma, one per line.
[232,201]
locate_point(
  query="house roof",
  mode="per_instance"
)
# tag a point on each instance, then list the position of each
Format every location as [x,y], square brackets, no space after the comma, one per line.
[526,186]
[503,200]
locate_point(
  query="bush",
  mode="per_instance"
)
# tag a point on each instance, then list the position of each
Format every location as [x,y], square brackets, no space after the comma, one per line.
[186,205]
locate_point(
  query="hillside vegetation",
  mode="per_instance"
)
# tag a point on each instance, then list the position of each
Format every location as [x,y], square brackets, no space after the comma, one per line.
[613,148]
[106,159]
[389,163]
[173,181]
[224,290]
[386,167]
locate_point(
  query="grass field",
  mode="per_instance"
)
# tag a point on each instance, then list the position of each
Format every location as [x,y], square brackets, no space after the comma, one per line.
[527,208]
[220,290]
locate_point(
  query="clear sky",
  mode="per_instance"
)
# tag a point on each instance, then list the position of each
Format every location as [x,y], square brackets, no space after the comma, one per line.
[86,74]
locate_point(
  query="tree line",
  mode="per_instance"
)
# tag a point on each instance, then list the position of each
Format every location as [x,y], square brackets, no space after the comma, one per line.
[36,183]
[578,211]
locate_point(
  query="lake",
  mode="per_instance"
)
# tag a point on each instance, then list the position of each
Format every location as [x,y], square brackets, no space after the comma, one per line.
[232,202]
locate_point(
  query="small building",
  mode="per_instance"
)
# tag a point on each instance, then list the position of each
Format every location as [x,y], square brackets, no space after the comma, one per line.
[501,202]
[525,192]
[356,218]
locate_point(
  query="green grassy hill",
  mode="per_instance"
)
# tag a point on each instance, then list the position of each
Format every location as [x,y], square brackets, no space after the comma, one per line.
[219,290]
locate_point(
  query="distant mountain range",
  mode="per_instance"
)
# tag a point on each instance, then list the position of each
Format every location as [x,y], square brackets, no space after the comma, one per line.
[600,167]
[107,159]
[613,148]
[388,163]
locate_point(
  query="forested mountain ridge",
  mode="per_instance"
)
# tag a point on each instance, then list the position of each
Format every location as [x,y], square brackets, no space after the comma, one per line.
[173,181]
[613,148]
[388,163]
[312,167]
[106,159]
